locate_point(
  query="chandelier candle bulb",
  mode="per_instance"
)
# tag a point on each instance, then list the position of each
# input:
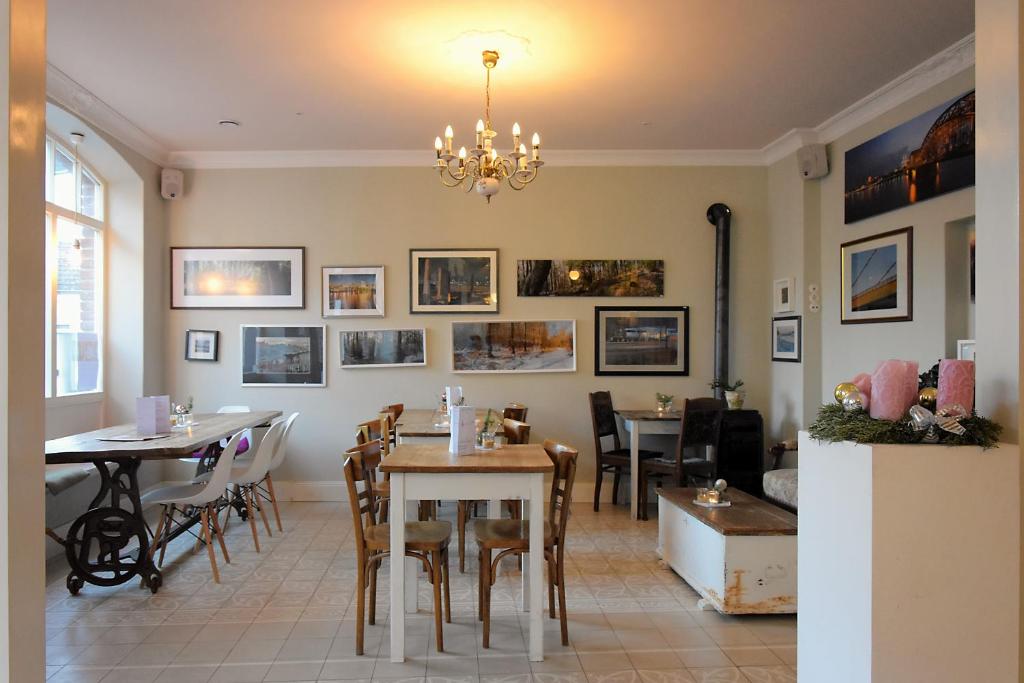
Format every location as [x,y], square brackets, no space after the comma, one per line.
[437,146]
[536,146]
[448,135]
[522,157]
[515,135]
[480,134]
[462,157]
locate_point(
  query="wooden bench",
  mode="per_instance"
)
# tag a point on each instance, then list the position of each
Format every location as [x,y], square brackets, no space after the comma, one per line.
[741,559]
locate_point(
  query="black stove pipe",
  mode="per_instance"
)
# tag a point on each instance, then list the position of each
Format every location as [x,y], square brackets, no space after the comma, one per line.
[720,216]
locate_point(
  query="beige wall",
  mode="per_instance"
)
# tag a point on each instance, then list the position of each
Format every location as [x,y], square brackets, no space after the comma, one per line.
[346,216]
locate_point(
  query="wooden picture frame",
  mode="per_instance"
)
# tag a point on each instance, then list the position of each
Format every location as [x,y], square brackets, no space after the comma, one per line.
[642,341]
[231,278]
[431,272]
[202,345]
[877,278]
[337,300]
[787,339]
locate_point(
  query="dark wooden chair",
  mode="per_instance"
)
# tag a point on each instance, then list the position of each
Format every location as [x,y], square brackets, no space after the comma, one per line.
[616,459]
[512,537]
[514,411]
[699,427]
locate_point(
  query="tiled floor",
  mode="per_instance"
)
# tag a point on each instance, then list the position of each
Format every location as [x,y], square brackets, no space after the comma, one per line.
[287,614]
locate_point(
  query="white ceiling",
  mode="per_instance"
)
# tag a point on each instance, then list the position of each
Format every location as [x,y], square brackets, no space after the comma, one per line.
[388,74]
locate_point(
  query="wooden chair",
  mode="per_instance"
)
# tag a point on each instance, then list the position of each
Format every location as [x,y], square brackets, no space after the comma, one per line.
[425,541]
[514,411]
[370,454]
[698,427]
[515,433]
[616,460]
[373,430]
[512,537]
[393,411]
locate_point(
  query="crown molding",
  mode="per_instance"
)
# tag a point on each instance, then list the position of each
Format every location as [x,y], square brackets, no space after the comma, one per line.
[75,98]
[955,59]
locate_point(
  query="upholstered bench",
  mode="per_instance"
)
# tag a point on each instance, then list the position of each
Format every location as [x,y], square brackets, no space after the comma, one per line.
[780,487]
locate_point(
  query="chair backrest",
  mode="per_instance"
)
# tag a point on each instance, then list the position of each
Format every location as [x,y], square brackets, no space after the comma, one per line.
[360,502]
[699,426]
[370,454]
[395,409]
[564,459]
[268,447]
[514,411]
[218,481]
[516,432]
[234,409]
[375,430]
[602,414]
[282,446]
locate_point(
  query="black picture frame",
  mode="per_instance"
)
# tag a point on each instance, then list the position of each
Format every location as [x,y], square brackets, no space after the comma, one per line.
[904,263]
[797,354]
[313,340]
[216,345]
[681,368]
[181,299]
[416,307]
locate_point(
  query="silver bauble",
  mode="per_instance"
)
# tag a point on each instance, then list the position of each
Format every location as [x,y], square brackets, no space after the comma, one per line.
[853,401]
[721,485]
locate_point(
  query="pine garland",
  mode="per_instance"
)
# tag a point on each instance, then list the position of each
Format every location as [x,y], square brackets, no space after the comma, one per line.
[835,424]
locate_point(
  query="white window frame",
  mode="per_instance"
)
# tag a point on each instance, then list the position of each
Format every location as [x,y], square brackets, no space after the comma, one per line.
[53,212]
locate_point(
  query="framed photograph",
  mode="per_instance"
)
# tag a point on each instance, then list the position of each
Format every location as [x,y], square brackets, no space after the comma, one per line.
[202,344]
[382,348]
[644,340]
[546,277]
[965,349]
[352,292]
[786,339]
[783,291]
[453,280]
[238,277]
[878,278]
[279,355]
[514,346]
[922,158]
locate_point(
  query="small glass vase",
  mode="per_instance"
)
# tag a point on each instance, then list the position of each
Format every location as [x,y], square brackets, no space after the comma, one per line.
[665,406]
[487,440]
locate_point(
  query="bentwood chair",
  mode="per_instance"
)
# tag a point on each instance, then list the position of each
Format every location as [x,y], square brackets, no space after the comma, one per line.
[374,430]
[370,455]
[616,459]
[185,498]
[514,411]
[512,537]
[426,541]
[698,429]
[393,411]
[515,433]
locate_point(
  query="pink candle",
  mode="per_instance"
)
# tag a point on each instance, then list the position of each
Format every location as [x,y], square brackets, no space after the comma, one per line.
[912,380]
[956,383]
[890,383]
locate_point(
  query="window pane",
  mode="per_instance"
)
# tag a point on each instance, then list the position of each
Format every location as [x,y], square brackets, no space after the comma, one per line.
[50,277]
[78,251]
[63,180]
[92,196]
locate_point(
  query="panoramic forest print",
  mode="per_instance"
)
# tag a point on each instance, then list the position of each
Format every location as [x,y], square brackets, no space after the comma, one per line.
[543,277]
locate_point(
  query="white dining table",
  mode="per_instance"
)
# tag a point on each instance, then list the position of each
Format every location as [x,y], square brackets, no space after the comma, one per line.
[638,422]
[430,472]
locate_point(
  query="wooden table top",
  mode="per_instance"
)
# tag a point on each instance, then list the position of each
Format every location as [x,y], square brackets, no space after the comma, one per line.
[747,516]
[423,422]
[207,428]
[649,415]
[435,458]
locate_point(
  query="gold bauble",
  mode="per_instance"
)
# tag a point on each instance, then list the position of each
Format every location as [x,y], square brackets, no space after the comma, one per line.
[928,397]
[843,390]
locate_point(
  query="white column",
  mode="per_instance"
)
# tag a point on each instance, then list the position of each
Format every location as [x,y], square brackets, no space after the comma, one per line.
[397,578]
[22,277]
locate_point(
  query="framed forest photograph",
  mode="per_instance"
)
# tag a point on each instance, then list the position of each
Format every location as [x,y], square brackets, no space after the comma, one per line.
[453,280]
[238,277]
[382,348]
[607,277]
[514,346]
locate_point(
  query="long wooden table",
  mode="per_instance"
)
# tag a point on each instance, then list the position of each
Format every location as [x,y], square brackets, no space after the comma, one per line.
[99,546]
[430,472]
[423,425]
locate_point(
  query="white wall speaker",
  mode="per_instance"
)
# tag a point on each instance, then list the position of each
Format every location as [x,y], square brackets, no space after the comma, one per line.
[812,160]
[172,182]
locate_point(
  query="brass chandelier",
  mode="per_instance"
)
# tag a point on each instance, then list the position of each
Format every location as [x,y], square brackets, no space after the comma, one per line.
[483,168]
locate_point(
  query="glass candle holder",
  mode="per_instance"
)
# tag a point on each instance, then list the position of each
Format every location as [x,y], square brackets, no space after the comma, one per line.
[487,440]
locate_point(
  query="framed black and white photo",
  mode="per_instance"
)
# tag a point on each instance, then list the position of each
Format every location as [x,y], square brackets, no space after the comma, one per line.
[202,345]
[453,280]
[514,346]
[965,349]
[352,292]
[782,295]
[238,277]
[786,339]
[643,340]
[279,355]
[878,278]
[382,348]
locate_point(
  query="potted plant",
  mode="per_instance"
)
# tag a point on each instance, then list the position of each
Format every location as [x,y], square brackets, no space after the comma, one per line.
[664,401]
[733,396]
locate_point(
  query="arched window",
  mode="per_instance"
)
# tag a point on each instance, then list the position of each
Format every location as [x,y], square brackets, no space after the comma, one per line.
[74,274]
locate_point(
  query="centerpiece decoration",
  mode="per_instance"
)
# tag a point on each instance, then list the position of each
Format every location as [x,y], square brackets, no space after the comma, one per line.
[890,406]
[733,396]
[664,402]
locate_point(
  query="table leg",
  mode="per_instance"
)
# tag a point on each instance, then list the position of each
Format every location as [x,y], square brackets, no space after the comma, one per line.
[413,568]
[397,567]
[634,468]
[525,602]
[536,561]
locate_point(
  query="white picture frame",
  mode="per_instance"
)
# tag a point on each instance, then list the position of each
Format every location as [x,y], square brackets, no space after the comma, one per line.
[784,295]
[349,361]
[469,338]
[965,349]
[238,277]
[367,302]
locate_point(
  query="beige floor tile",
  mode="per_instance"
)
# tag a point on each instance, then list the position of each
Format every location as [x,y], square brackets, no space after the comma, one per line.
[152,654]
[186,674]
[624,676]
[718,675]
[769,674]
[732,635]
[348,669]
[655,659]
[642,639]
[503,665]
[786,653]
[240,673]
[294,671]
[557,664]
[665,676]
[132,675]
[78,674]
[605,661]
[751,655]
[703,658]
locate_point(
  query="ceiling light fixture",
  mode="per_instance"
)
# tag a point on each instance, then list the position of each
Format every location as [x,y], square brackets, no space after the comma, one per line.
[483,167]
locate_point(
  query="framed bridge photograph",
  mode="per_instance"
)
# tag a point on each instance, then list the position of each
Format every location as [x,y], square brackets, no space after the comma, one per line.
[878,278]
[642,340]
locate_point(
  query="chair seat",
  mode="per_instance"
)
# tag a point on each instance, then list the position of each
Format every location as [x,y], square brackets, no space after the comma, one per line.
[382,489]
[176,494]
[238,474]
[418,535]
[508,533]
[620,456]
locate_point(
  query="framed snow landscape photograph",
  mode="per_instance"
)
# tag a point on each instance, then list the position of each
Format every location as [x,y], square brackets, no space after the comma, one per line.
[514,346]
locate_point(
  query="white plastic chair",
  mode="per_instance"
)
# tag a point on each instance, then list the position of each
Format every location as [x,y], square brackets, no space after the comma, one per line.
[247,434]
[279,456]
[245,474]
[203,496]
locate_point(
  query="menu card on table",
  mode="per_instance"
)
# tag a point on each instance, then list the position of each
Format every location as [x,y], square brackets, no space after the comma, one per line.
[463,430]
[152,415]
[453,395]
